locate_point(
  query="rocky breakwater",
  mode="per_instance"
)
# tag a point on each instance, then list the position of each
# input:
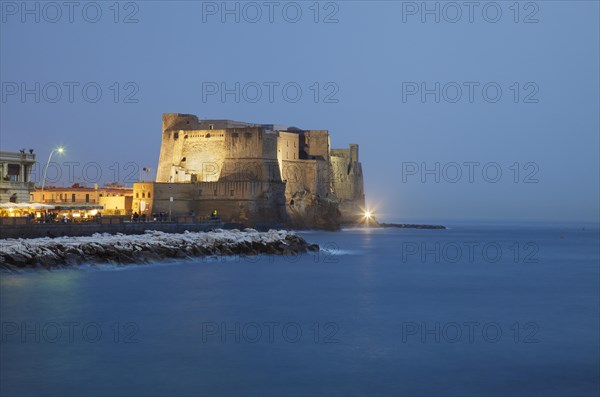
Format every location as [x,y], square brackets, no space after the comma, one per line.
[153,246]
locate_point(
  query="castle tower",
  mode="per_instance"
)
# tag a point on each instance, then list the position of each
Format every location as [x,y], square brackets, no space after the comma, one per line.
[250,155]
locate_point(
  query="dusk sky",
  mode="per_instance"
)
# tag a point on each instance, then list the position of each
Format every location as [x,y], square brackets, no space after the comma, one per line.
[362,67]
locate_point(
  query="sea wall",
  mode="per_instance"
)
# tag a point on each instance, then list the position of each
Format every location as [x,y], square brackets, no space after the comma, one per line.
[22,228]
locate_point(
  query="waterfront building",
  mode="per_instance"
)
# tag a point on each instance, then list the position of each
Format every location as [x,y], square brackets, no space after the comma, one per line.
[15,170]
[114,199]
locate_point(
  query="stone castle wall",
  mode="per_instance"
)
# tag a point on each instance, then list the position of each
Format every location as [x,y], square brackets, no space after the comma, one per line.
[244,202]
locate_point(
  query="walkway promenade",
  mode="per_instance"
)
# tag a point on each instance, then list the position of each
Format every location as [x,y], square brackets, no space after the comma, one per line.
[24,228]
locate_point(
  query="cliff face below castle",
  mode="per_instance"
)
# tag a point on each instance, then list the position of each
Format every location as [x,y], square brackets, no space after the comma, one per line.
[309,211]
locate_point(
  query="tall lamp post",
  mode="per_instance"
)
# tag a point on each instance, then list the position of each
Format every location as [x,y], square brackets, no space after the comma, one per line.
[59,150]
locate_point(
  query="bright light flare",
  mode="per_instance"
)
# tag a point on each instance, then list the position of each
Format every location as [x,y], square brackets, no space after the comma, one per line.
[367,216]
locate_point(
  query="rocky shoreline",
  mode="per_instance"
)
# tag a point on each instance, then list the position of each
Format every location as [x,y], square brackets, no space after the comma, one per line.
[152,246]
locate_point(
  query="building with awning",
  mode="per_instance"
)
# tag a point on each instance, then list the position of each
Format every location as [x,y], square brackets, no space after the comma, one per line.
[33,206]
[23,209]
[40,210]
[113,199]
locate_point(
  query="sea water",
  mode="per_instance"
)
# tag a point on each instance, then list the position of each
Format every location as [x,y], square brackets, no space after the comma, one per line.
[471,310]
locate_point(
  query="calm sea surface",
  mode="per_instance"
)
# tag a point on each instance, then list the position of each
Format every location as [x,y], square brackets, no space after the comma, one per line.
[473,310]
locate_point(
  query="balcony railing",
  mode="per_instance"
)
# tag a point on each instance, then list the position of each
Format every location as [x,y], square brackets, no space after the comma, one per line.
[58,201]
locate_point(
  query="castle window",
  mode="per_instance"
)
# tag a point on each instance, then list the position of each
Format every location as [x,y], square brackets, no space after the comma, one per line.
[137,195]
[215,192]
[211,126]
[87,198]
[231,193]
[143,195]
[73,197]
[208,135]
[176,135]
[183,160]
[235,135]
[149,196]
[185,137]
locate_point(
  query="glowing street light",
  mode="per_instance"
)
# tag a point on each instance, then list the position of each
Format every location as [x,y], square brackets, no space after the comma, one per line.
[59,150]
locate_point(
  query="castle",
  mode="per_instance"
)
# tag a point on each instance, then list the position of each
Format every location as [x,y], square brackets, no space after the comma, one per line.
[253,174]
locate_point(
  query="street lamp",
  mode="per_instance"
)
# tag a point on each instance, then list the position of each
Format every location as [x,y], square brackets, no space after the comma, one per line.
[59,150]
